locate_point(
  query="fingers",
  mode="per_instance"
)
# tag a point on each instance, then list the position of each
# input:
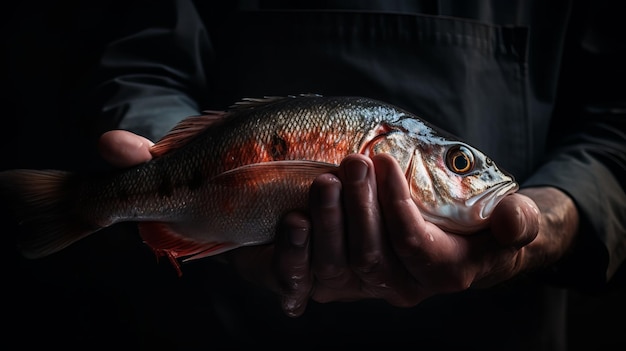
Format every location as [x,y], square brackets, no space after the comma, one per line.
[366,242]
[351,254]
[124,149]
[402,216]
[405,226]
[329,247]
[431,256]
[291,263]
[371,240]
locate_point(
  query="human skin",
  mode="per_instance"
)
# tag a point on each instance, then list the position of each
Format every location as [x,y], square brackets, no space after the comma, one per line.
[370,240]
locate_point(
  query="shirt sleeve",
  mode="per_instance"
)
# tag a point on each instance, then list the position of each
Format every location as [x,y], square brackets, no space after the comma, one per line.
[587,158]
[152,75]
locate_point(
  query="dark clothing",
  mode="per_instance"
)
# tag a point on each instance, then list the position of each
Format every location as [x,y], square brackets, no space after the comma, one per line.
[534,84]
[537,85]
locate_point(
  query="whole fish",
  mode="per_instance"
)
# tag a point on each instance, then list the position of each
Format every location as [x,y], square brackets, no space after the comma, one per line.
[223,179]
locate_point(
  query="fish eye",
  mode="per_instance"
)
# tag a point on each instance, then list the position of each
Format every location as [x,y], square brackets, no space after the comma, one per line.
[460,159]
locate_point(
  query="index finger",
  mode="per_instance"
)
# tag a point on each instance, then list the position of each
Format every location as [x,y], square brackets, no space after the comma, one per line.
[431,256]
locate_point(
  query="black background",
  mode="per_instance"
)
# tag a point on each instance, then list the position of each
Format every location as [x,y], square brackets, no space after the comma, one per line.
[49,47]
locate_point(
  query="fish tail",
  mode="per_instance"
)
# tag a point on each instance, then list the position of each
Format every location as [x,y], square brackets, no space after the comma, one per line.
[41,201]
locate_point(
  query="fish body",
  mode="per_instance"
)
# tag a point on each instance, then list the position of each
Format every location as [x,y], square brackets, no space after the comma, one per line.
[224,179]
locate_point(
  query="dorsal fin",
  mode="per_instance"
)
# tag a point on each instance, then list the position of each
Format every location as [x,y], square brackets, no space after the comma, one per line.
[185,130]
[250,103]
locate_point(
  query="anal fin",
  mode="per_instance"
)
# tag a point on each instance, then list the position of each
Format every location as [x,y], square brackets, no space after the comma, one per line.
[165,241]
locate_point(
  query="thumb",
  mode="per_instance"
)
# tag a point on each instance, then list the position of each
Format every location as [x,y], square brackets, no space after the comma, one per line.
[124,149]
[515,221]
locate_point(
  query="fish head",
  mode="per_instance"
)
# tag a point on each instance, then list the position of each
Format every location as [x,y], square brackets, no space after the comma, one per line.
[455,185]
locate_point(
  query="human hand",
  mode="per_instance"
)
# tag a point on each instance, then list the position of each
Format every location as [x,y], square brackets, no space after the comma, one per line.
[370,241]
[415,261]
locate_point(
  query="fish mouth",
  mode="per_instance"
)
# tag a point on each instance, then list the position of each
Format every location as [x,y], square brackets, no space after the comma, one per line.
[489,199]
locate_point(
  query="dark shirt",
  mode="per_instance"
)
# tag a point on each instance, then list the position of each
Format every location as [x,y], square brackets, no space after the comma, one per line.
[534,84]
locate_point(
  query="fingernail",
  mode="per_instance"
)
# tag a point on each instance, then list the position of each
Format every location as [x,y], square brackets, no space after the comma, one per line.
[356,170]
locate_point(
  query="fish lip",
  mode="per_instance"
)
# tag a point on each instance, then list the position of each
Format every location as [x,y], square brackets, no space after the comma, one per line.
[473,218]
[492,197]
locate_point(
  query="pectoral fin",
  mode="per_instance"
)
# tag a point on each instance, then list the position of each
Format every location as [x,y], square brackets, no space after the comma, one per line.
[259,173]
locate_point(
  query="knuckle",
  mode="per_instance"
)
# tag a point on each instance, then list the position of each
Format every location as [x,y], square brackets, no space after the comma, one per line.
[331,273]
[408,245]
[329,224]
[369,263]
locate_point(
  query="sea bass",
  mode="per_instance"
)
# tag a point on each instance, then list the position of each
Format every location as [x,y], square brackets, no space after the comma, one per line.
[224,179]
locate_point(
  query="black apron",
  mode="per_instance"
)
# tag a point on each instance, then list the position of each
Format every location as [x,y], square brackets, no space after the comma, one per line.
[463,75]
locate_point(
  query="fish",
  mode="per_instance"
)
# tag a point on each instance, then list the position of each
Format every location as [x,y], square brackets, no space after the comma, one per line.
[223,179]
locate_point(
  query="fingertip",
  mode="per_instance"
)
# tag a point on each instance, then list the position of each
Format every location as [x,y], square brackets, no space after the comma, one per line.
[293,306]
[326,179]
[325,192]
[355,168]
[356,157]
[384,158]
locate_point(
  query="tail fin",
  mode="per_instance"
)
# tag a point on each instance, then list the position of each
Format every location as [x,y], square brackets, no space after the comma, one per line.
[42,203]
